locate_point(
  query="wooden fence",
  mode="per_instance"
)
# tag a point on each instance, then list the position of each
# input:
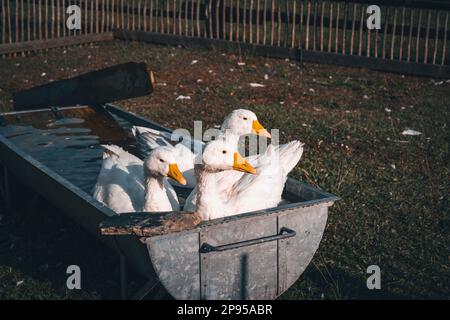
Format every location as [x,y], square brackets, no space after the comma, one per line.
[413,38]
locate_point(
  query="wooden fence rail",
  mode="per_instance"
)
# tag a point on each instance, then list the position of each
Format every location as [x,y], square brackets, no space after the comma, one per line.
[413,32]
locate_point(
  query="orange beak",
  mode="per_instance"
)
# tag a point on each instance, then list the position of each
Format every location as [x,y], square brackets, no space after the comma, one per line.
[175,174]
[258,129]
[240,164]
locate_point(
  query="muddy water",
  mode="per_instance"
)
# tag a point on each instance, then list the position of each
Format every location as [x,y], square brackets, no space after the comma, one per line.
[70,146]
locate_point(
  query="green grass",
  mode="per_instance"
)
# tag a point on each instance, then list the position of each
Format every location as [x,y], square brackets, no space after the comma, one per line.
[394,210]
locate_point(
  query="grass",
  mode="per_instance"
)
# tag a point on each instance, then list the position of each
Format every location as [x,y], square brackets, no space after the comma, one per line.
[394,210]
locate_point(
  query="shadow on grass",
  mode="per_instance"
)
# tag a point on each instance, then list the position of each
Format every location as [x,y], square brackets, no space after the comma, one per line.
[334,283]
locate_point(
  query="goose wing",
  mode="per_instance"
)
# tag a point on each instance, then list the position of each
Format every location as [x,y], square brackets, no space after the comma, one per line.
[117,186]
[264,190]
[185,149]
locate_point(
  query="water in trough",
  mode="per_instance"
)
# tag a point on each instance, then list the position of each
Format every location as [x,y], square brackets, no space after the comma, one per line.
[69,143]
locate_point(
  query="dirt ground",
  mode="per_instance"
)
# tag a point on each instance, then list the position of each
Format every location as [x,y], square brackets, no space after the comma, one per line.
[394,211]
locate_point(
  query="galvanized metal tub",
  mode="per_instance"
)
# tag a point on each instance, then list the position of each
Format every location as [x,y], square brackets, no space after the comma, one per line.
[256,255]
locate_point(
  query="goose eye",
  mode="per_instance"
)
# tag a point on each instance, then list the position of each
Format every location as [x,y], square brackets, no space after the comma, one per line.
[245,118]
[224,151]
[161,160]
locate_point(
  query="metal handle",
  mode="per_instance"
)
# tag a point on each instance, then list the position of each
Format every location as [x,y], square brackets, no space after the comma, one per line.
[284,234]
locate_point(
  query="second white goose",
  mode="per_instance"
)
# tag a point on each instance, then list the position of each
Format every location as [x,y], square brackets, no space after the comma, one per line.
[128,184]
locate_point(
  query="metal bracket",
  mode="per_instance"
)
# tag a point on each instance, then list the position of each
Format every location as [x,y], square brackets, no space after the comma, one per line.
[284,233]
[56,112]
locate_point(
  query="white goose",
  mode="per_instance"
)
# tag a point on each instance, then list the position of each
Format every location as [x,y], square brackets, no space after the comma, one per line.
[239,122]
[128,184]
[274,164]
[261,190]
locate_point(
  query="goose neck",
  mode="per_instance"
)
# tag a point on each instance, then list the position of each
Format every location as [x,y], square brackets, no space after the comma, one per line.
[209,204]
[155,193]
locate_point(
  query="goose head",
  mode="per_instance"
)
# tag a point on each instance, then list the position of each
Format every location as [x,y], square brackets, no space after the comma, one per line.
[242,121]
[161,162]
[222,154]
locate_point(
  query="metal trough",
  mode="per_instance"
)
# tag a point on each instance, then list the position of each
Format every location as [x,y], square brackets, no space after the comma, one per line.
[256,255]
